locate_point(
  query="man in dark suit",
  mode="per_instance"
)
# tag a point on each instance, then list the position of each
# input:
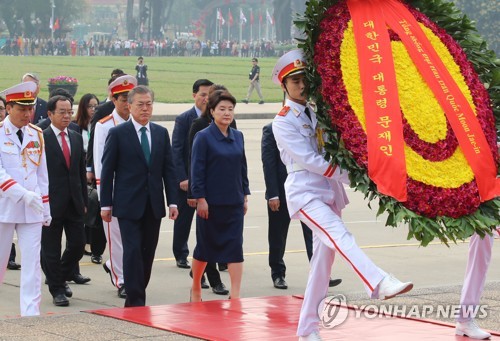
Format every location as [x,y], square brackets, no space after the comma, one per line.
[180,152]
[40,108]
[101,111]
[68,191]
[138,157]
[77,277]
[278,217]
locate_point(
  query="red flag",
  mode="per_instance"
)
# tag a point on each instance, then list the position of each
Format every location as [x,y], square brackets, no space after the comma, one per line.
[251,18]
[230,18]
[260,17]
[56,25]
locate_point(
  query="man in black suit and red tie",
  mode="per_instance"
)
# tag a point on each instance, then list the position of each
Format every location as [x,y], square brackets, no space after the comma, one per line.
[68,187]
[40,107]
[137,166]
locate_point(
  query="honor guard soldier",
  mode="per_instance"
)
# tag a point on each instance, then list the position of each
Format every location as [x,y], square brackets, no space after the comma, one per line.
[24,197]
[118,91]
[316,196]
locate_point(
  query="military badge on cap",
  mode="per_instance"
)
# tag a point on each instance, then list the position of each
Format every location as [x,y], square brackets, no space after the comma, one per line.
[290,63]
[122,84]
[23,93]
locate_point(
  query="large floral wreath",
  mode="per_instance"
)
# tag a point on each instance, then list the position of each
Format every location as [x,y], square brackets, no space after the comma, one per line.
[443,199]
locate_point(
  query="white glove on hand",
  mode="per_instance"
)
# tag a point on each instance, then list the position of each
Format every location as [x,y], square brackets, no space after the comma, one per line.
[47,220]
[34,201]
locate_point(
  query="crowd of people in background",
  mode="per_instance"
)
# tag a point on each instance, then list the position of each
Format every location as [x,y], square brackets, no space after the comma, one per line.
[155,47]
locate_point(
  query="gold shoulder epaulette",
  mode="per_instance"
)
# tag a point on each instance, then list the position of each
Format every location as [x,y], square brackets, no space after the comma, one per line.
[106,119]
[35,127]
[284,111]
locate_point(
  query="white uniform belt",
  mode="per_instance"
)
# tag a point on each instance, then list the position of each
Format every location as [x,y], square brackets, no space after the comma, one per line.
[294,167]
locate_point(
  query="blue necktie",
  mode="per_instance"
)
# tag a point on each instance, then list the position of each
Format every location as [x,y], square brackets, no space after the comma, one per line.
[145,144]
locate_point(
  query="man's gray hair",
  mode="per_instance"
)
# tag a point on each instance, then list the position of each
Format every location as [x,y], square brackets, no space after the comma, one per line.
[141,90]
[31,75]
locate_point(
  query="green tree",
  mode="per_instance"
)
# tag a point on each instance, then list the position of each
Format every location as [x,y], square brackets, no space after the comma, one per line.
[32,17]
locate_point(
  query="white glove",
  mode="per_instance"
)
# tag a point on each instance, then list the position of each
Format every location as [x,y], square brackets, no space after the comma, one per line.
[34,201]
[47,220]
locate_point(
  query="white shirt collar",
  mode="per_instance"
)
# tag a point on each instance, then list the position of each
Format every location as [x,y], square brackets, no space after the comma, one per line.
[138,126]
[198,111]
[57,131]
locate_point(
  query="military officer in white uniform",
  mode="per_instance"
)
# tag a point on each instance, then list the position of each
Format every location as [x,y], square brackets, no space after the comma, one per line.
[316,196]
[118,91]
[24,194]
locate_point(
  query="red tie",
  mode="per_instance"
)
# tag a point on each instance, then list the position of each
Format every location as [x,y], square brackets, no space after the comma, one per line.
[65,148]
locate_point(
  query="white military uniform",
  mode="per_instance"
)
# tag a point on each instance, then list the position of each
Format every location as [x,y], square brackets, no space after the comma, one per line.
[478,263]
[316,196]
[111,229]
[23,168]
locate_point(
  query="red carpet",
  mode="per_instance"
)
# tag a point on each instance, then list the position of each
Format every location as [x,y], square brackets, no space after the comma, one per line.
[273,318]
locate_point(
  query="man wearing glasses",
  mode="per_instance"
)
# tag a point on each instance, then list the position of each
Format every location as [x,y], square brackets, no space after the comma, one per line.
[68,188]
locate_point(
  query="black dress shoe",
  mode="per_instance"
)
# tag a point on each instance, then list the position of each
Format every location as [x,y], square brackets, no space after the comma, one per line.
[280,283]
[204,284]
[334,282]
[87,253]
[121,292]
[79,279]
[60,300]
[222,266]
[183,264]
[220,289]
[67,290]
[108,271]
[96,259]
[11,265]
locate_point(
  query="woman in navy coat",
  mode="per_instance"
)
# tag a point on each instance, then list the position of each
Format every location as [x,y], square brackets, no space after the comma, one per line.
[219,183]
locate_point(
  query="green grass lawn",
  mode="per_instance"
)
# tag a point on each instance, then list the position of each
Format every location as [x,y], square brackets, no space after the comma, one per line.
[171,78]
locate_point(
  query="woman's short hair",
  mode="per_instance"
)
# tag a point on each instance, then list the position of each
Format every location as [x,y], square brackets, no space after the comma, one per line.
[218,96]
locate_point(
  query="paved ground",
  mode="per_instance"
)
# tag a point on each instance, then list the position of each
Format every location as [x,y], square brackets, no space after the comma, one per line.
[436,270]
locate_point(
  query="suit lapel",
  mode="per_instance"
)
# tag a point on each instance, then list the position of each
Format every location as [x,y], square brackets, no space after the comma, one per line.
[155,141]
[73,148]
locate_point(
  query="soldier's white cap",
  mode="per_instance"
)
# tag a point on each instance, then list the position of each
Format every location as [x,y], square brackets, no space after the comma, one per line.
[23,93]
[291,63]
[122,84]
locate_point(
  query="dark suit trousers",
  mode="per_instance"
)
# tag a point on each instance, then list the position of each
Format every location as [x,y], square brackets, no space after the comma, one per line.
[182,227]
[59,268]
[139,238]
[12,257]
[279,223]
[213,274]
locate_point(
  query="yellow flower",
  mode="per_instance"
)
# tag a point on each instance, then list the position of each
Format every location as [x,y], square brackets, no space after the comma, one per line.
[424,115]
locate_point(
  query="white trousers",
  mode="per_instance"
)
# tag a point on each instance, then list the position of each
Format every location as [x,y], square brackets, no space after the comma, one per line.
[115,248]
[478,263]
[29,237]
[330,235]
